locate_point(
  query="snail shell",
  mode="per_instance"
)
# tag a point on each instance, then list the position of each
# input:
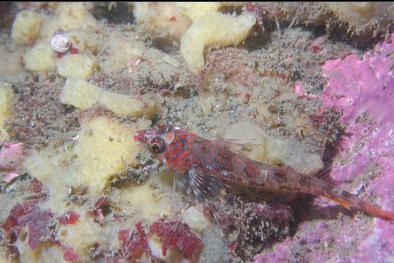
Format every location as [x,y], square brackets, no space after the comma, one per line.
[60,42]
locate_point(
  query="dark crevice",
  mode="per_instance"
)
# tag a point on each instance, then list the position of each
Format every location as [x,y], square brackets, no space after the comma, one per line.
[119,13]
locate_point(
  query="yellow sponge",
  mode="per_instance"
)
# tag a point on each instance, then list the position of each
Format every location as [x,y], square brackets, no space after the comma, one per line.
[84,95]
[5,108]
[26,27]
[213,29]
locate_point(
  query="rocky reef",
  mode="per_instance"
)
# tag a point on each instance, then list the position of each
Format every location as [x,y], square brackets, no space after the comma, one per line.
[272,81]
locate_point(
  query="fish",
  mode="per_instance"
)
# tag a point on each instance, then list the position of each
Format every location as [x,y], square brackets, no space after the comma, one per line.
[208,165]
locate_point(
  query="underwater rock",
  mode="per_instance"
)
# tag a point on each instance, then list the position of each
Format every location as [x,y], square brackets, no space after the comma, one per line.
[365,20]
[363,90]
[195,219]
[365,16]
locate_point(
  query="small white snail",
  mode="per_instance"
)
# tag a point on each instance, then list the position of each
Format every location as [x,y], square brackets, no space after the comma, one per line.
[60,42]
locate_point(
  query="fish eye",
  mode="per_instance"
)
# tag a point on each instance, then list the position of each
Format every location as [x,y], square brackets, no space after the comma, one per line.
[157,145]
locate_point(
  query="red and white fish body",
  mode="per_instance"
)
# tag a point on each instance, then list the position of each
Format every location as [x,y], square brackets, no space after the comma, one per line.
[209,164]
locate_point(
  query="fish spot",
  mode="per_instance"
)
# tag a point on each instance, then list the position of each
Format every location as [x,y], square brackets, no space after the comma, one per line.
[253,181]
[280,173]
[306,180]
[263,177]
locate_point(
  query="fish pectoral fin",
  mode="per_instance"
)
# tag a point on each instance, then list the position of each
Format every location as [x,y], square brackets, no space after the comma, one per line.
[204,187]
[180,183]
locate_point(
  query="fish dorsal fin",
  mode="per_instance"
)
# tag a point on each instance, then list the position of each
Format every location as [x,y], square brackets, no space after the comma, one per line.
[202,186]
[236,142]
[234,145]
[325,176]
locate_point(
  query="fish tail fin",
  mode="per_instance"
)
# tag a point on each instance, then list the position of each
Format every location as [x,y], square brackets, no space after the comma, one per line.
[350,201]
[376,211]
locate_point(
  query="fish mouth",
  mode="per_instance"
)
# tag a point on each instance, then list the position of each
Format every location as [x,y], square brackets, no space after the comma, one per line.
[140,136]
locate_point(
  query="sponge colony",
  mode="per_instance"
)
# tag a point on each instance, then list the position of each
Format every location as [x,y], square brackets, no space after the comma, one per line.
[213,29]
[84,95]
[26,27]
[5,108]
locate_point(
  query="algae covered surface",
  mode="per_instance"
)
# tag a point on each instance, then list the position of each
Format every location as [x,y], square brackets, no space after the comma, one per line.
[307,86]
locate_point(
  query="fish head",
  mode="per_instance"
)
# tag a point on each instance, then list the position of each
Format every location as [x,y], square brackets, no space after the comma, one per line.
[156,139]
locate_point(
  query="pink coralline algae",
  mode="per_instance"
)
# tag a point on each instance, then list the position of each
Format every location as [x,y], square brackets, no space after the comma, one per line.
[68,218]
[363,91]
[11,155]
[38,222]
[179,235]
[133,243]
[101,205]
[41,226]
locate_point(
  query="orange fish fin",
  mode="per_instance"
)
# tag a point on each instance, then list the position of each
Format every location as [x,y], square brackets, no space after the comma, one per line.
[341,201]
[202,186]
[353,202]
[345,202]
